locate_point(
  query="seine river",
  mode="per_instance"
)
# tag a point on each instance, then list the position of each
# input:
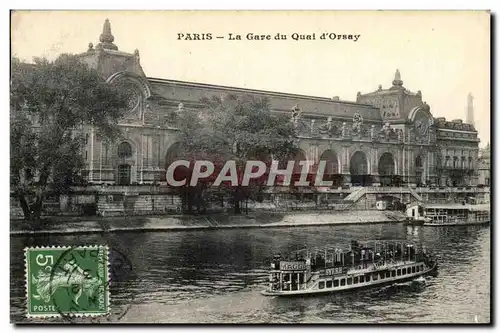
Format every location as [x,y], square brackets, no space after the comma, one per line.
[216,276]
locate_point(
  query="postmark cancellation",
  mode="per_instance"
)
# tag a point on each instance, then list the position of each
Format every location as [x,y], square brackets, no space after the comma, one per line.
[67,281]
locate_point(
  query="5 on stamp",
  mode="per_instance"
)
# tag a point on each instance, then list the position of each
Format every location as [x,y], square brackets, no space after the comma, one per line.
[67,281]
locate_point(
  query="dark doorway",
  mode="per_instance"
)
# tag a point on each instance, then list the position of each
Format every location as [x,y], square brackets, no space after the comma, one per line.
[386,169]
[124,174]
[331,172]
[358,167]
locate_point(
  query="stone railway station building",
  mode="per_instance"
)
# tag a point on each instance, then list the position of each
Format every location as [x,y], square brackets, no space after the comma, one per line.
[388,137]
[386,133]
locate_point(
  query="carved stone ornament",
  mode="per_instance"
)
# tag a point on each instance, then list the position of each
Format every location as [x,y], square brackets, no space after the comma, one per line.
[330,128]
[313,129]
[133,99]
[373,134]
[180,108]
[326,128]
[344,129]
[388,132]
[400,135]
[357,120]
[296,112]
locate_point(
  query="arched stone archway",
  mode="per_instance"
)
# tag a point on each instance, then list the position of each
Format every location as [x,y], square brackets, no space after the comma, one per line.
[332,162]
[386,169]
[125,167]
[332,167]
[419,170]
[358,167]
[299,155]
[173,153]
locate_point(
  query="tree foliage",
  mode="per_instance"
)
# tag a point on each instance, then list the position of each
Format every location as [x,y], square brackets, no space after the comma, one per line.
[50,102]
[237,128]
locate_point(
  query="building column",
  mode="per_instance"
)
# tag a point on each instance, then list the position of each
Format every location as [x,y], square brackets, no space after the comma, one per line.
[346,174]
[412,170]
[149,155]
[431,168]
[141,177]
[91,164]
[313,153]
[100,163]
[404,165]
[150,159]
[374,168]
[399,165]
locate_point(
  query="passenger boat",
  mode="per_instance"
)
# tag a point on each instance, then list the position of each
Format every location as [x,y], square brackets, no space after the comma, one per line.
[335,269]
[449,214]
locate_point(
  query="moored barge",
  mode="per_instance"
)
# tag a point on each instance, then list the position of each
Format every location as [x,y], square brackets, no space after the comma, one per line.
[449,214]
[335,269]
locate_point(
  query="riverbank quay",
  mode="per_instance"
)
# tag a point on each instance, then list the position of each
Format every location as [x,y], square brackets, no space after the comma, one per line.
[81,225]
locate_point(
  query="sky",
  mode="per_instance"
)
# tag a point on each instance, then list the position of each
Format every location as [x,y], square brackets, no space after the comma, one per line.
[444,54]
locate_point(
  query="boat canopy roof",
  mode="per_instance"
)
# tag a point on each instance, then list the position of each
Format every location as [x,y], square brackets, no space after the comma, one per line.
[481,207]
[347,247]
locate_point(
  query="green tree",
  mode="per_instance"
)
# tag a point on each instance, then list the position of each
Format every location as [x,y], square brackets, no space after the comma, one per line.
[238,128]
[50,102]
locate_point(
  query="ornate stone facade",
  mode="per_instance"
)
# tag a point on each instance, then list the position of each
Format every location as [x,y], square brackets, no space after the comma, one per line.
[484,168]
[386,136]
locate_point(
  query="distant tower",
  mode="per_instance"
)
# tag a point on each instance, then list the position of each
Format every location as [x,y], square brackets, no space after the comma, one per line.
[470,110]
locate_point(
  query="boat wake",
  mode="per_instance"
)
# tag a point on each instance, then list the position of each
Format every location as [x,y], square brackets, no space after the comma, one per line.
[415,285]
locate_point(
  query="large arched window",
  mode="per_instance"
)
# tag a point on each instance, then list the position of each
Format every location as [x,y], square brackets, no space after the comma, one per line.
[418,162]
[124,150]
[331,162]
[358,168]
[386,169]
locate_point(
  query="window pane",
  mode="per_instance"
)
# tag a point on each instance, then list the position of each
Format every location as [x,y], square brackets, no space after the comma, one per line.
[124,149]
[124,174]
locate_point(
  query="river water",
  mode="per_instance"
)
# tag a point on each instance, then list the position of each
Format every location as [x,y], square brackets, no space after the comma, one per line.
[215,276]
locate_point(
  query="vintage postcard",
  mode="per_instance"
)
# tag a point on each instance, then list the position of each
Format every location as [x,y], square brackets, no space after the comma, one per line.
[269,167]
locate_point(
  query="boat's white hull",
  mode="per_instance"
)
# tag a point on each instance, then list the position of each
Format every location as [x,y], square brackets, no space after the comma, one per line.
[381,282]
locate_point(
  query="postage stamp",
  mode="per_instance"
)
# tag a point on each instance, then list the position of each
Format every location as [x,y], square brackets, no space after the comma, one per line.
[67,281]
